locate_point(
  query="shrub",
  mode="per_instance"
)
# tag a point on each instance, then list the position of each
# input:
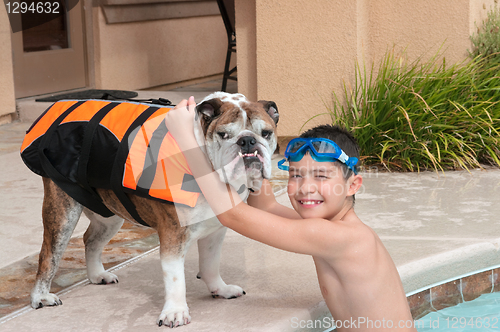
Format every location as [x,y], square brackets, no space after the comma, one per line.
[486,42]
[424,115]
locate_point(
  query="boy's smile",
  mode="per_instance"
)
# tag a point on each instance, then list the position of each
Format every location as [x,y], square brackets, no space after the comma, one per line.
[310,203]
[318,189]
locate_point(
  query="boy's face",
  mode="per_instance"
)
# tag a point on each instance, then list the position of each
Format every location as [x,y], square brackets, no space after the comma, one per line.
[318,189]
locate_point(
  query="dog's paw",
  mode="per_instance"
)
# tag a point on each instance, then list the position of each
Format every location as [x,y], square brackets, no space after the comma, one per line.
[174,317]
[228,292]
[104,278]
[40,301]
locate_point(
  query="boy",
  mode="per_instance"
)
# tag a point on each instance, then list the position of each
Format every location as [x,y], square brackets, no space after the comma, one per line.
[357,277]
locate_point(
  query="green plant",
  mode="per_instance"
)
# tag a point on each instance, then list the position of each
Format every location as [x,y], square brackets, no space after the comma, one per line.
[424,115]
[486,42]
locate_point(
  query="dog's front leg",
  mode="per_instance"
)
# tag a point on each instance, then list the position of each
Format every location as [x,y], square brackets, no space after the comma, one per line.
[175,311]
[209,249]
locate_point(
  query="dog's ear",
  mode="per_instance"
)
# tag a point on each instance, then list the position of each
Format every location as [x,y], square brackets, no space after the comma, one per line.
[207,111]
[271,109]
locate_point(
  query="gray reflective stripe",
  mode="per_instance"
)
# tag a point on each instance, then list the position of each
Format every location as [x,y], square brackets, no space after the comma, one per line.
[343,157]
[151,159]
[189,184]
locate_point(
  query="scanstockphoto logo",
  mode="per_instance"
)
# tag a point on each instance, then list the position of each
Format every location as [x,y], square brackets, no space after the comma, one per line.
[354,323]
[24,15]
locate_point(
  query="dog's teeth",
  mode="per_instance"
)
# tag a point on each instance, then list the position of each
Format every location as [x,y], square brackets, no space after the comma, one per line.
[255,153]
[241,155]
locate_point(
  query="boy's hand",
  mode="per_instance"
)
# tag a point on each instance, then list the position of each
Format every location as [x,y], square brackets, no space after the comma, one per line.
[180,124]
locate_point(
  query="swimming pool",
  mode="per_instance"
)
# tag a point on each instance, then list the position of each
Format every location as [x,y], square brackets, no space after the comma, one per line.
[482,313]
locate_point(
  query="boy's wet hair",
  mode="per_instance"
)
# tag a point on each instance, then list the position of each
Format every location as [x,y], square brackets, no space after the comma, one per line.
[344,139]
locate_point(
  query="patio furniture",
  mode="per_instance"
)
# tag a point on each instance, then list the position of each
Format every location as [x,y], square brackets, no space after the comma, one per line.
[226,8]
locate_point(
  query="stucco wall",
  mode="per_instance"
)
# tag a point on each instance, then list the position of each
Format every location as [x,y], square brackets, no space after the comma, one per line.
[305,49]
[422,27]
[6,73]
[146,54]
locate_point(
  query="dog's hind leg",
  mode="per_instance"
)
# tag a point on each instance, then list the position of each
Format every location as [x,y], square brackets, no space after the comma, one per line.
[209,249]
[100,231]
[60,214]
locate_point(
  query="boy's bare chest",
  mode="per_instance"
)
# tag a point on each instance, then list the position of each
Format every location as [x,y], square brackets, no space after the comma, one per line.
[328,278]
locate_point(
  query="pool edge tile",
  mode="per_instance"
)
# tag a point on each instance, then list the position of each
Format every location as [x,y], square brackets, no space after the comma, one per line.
[446,295]
[496,280]
[420,304]
[475,285]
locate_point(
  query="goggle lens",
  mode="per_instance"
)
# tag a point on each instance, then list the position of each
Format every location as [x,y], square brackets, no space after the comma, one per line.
[324,147]
[296,147]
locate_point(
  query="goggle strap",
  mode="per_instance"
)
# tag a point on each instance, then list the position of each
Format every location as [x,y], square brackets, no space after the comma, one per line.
[281,166]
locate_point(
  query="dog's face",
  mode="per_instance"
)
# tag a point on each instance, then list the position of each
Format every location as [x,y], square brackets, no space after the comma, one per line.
[239,137]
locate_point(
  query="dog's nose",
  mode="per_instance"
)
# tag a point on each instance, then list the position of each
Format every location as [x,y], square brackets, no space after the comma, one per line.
[246,142]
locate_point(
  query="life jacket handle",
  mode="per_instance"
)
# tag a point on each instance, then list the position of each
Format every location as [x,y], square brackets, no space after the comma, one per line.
[159,101]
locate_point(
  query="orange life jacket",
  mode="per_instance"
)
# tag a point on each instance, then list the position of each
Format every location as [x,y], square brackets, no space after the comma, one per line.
[124,146]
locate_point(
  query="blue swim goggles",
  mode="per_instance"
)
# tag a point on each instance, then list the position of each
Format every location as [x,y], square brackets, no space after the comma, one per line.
[322,149]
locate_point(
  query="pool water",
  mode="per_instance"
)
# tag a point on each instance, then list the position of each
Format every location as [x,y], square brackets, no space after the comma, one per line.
[481,314]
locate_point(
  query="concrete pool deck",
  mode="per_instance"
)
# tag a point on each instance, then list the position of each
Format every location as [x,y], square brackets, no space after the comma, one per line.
[435,226]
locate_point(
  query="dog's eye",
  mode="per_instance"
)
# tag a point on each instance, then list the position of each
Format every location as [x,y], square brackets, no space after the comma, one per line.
[223,135]
[266,134]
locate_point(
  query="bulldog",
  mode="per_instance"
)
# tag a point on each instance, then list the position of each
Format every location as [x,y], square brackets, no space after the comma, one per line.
[238,138]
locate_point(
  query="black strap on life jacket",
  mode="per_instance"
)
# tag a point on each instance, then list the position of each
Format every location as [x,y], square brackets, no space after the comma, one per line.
[120,159]
[88,137]
[74,190]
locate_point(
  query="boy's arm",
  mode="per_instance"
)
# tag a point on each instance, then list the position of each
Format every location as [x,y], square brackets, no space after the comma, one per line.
[265,200]
[317,237]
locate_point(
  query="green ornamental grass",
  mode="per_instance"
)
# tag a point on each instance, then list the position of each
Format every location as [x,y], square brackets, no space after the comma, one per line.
[487,39]
[424,115]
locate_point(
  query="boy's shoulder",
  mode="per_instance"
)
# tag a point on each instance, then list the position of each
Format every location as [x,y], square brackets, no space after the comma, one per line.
[351,219]
[355,228]
[342,228]
[347,239]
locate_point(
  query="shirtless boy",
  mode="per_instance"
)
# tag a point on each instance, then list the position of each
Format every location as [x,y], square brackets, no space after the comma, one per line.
[356,274]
